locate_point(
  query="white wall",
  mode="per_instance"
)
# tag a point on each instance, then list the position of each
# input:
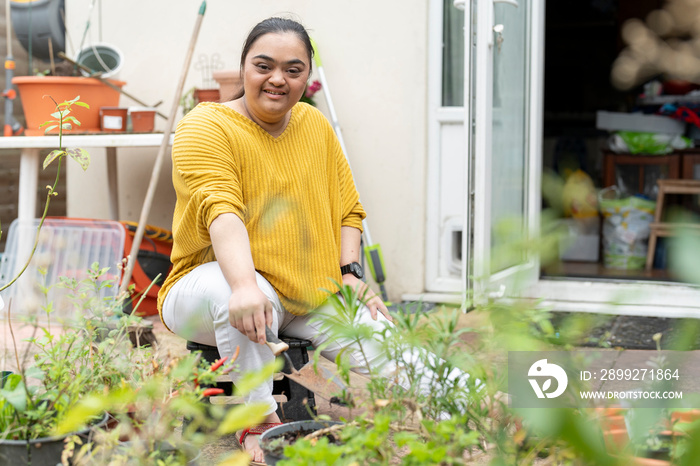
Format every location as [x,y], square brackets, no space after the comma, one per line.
[374,55]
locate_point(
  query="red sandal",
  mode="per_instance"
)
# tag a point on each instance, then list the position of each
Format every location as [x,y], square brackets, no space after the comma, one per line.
[256,430]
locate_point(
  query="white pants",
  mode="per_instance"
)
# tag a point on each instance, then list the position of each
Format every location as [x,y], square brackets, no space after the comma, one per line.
[196,308]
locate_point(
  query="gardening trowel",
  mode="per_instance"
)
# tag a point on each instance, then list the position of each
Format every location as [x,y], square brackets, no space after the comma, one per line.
[322,379]
[325,383]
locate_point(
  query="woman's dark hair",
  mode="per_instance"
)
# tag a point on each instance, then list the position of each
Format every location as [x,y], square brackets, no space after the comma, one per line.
[275,25]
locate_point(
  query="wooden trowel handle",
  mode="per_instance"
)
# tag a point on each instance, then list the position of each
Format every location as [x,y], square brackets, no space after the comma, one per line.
[276,345]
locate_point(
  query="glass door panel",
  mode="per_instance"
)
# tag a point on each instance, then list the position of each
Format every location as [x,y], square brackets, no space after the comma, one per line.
[509,129]
[505,81]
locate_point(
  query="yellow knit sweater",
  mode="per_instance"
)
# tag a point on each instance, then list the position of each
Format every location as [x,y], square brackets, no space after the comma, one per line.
[293,193]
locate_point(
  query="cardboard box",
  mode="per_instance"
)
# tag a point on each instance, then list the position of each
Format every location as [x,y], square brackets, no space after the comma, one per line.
[582,243]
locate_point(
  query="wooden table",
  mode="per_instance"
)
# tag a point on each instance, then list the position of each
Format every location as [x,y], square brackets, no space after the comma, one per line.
[29,161]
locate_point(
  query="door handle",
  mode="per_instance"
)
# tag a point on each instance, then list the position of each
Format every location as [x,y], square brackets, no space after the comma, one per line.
[499,28]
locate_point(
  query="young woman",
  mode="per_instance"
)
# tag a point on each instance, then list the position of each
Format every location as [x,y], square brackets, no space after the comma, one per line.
[267,214]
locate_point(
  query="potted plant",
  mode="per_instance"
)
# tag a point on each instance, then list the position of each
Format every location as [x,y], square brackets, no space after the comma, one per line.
[419,424]
[163,413]
[206,95]
[657,439]
[195,95]
[57,367]
[275,440]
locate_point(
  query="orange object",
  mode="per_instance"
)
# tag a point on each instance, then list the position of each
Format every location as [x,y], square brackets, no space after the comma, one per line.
[206,95]
[143,121]
[113,119]
[38,107]
[153,258]
[9,64]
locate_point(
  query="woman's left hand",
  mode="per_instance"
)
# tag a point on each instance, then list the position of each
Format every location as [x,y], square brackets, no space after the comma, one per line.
[372,300]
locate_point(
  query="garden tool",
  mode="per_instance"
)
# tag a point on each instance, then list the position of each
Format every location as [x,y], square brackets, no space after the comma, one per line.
[327,384]
[373,252]
[12,126]
[321,380]
[155,174]
[276,345]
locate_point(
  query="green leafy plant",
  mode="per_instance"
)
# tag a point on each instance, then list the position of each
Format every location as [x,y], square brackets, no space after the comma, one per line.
[450,417]
[419,419]
[187,101]
[150,408]
[63,120]
[61,365]
[69,377]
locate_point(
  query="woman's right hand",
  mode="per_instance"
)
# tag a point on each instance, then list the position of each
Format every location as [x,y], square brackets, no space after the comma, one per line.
[249,311]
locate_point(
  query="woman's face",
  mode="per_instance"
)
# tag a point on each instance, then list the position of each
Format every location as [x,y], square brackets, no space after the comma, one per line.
[275,73]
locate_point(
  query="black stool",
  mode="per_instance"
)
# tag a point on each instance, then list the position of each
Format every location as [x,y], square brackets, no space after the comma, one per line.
[294,409]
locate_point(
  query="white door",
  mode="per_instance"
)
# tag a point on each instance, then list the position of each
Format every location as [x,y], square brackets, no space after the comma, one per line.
[504,136]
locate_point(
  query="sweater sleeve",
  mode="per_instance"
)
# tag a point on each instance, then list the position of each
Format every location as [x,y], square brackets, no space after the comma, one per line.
[207,171]
[353,212]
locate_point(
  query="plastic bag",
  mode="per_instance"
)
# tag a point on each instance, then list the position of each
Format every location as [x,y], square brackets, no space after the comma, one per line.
[579,196]
[632,142]
[626,221]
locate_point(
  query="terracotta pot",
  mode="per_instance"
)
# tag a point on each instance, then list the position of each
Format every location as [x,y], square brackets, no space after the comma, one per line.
[142,120]
[206,95]
[685,416]
[613,422]
[616,437]
[38,109]
[610,411]
[113,119]
[616,440]
[637,461]
[229,83]
[682,417]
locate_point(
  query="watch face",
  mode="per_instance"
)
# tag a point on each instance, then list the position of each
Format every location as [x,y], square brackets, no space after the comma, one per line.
[353,268]
[357,270]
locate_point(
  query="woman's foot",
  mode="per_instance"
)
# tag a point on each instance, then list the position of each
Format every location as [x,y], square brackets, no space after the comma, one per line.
[250,441]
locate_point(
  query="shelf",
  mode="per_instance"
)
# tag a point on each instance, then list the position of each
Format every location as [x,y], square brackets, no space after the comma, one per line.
[693,97]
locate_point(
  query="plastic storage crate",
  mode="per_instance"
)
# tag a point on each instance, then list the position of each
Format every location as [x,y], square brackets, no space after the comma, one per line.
[66,248]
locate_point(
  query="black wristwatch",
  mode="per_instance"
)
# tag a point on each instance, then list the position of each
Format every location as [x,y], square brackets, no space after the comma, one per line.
[353,268]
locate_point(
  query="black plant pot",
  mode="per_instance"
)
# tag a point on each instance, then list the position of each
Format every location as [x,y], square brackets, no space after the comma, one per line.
[44,451]
[272,456]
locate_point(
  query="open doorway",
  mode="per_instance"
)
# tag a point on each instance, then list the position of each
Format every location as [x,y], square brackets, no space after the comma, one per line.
[583,39]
